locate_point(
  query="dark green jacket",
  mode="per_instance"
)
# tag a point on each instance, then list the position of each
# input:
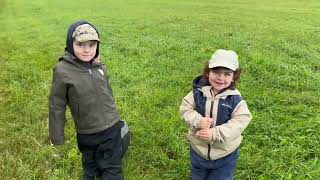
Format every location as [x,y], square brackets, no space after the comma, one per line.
[86,90]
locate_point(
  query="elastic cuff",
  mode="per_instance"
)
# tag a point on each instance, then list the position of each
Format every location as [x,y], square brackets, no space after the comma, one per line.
[214,134]
[196,123]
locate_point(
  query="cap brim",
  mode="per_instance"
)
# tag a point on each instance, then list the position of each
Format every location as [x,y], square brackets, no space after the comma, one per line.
[87,37]
[229,66]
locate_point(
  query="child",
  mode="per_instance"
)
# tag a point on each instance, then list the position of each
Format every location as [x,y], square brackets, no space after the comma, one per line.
[216,116]
[81,82]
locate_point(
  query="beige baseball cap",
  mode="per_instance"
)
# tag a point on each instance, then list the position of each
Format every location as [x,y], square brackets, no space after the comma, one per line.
[224,58]
[85,32]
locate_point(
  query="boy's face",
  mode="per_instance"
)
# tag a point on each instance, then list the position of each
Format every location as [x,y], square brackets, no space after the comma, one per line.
[220,78]
[85,51]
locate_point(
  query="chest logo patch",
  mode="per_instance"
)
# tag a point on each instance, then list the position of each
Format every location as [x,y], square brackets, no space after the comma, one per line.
[101,71]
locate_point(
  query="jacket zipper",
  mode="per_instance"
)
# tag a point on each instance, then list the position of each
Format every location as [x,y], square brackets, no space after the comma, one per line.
[92,79]
[209,146]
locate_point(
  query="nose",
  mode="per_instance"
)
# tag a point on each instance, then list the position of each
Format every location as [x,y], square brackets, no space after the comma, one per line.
[86,48]
[220,75]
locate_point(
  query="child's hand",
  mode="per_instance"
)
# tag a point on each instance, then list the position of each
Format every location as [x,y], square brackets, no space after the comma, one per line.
[205,123]
[205,134]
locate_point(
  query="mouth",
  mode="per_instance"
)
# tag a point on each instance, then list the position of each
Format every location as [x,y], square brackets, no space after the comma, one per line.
[219,83]
[86,56]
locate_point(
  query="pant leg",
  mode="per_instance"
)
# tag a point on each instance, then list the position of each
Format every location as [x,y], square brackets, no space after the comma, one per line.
[87,177]
[109,154]
[199,170]
[88,145]
[90,168]
[224,167]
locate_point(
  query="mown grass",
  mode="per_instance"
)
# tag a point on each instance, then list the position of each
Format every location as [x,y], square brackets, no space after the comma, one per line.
[153,50]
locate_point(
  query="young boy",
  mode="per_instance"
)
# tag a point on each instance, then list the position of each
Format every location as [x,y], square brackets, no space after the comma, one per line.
[80,82]
[216,116]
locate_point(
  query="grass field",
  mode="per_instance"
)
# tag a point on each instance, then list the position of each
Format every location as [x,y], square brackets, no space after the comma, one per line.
[153,50]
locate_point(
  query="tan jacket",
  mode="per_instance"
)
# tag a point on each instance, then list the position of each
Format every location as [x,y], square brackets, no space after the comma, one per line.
[226,137]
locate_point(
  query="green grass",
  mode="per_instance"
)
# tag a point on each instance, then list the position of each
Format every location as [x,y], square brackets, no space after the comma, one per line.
[153,50]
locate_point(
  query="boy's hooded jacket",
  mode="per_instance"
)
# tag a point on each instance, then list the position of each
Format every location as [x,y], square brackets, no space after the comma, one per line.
[85,89]
[230,116]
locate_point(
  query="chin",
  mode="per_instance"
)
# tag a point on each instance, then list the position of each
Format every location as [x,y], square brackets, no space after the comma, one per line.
[86,59]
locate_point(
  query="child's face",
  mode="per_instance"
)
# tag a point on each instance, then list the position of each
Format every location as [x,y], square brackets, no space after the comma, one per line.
[85,51]
[220,78]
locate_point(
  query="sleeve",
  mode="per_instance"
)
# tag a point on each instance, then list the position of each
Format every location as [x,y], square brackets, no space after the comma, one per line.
[240,118]
[187,111]
[57,109]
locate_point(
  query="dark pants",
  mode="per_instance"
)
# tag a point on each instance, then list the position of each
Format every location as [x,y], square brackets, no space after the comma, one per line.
[220,169]
[102,153]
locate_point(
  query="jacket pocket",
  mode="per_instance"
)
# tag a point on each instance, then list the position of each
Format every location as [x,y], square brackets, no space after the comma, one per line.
[200,145]
[86,107]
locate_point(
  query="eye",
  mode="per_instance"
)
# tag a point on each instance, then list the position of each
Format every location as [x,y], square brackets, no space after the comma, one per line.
[79,44]
[92,44]
[214,71]
[228,74]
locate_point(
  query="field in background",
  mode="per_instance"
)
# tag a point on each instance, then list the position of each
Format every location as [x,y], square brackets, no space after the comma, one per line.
[153,50]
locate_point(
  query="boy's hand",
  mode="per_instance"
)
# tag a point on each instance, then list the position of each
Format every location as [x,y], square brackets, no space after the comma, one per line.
[205,134]
[205,123]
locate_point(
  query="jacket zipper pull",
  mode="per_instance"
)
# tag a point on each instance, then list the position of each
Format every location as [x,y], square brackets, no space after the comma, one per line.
[90,71]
